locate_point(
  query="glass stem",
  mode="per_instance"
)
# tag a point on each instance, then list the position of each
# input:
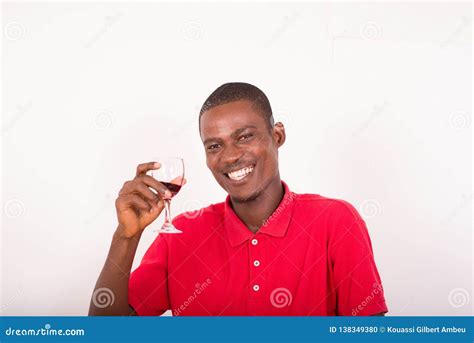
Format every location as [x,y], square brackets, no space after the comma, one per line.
[167,212]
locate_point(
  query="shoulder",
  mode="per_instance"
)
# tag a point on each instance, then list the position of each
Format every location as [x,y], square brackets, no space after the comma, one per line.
[330,208]
[344,228]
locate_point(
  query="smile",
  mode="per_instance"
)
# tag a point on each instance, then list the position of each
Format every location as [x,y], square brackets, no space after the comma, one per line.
[238,175]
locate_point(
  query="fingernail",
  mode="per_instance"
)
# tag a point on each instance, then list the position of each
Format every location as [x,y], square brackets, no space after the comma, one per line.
[157,165]
[168,194]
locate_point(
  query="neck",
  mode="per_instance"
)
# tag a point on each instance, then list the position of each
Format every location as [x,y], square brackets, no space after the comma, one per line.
[253,213]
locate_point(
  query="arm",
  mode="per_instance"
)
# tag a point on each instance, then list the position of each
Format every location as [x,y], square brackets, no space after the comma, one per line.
[114,279]
[137,206]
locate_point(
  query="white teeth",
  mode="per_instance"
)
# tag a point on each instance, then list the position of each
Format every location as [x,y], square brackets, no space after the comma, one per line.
[240,174]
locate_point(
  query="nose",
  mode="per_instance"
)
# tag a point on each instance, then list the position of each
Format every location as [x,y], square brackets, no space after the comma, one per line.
[231,155]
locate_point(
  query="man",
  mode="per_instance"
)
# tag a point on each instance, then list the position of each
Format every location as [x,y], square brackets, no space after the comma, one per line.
[264,251]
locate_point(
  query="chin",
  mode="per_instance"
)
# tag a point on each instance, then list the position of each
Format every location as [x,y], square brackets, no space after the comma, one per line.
[238,198]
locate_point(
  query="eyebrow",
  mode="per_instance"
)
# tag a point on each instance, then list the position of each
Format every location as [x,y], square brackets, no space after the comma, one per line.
[235,133]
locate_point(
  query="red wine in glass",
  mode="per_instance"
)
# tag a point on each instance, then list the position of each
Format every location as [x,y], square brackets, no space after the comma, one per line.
[172,187]
[171,175]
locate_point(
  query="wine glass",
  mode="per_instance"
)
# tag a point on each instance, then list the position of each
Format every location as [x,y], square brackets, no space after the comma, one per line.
[171,175]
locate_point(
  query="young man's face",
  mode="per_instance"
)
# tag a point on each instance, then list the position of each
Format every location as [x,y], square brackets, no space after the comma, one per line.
[241,151]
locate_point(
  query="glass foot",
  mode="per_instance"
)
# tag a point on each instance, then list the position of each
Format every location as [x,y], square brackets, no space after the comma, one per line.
[168,228]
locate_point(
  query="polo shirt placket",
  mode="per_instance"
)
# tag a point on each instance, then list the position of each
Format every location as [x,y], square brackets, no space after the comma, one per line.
[259,244]
[256,277]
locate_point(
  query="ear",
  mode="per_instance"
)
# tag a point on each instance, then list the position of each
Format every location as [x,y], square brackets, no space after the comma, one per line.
[279,134]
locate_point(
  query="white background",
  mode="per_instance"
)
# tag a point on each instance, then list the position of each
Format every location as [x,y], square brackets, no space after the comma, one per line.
[376,99]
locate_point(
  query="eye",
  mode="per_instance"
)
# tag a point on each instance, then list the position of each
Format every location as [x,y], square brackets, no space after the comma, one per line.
[213,147]
[245,137]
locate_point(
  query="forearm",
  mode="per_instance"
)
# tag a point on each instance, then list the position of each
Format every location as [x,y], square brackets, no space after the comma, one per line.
[113,280]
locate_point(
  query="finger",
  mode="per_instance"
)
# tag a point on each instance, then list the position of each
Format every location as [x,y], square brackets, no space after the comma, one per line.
[146,193]
[156,185]
[144,167]
[134,201]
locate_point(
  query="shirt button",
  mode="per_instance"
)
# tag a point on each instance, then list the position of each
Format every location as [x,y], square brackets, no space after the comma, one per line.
[254,241]
[256,288]
[256,263]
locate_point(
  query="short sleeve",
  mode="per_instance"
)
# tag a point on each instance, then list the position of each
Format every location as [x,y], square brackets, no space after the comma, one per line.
[148,286]
[356,281]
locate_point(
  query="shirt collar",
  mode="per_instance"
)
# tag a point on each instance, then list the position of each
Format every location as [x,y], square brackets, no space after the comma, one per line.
[276,225]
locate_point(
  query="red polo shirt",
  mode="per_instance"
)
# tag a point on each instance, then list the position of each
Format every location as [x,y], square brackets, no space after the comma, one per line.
[313,256]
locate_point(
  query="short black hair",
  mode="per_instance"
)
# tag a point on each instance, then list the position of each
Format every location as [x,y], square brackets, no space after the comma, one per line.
[236,91]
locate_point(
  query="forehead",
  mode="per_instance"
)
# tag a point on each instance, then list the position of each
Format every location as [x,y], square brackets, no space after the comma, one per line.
[224,119]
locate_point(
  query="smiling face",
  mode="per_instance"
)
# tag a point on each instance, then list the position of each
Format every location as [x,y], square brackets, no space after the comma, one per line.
[241,150]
